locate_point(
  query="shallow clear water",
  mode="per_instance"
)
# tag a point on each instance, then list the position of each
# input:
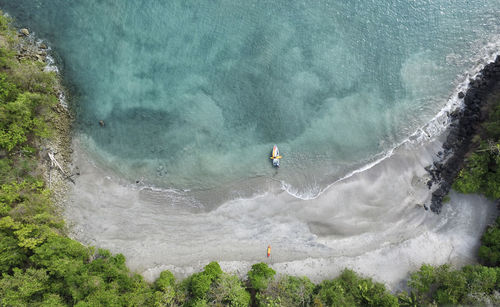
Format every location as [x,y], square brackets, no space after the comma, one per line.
[194,94]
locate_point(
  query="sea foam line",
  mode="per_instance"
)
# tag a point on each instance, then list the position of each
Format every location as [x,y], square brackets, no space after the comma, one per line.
[50,63]
[429,131]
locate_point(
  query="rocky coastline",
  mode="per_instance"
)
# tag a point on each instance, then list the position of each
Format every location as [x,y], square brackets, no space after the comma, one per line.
[464,126]
[57,177]
[443,172]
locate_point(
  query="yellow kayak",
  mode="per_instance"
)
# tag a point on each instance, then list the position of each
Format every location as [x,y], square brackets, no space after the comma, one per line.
[275,156]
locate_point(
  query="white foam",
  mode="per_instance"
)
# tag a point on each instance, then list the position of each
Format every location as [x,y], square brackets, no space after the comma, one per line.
[371,220]
[450,242]
[426,133]
[342,228]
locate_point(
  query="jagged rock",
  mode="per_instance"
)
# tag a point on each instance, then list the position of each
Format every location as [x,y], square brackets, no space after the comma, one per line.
[462,129]
[43,46]
[24,32]
[40,58]
[454,114]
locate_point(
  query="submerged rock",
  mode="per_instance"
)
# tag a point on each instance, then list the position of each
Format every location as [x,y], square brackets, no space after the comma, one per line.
[101,123]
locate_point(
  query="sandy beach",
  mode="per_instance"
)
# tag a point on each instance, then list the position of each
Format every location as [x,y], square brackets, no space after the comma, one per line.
[372,222]
[375,220]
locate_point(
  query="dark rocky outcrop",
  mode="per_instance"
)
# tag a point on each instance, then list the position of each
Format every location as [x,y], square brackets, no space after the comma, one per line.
[465,123]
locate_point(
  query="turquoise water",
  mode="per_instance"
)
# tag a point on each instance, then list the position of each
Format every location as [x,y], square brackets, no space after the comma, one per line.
[195,93]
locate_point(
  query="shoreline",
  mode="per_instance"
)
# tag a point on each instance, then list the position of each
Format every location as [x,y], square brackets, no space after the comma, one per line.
[98,213]
[464,126]
[406,236]
[62,144]
[59,143]
[102,209]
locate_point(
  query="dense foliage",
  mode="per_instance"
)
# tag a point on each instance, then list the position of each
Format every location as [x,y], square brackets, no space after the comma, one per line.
[39,266]
[471,286]
[481,173]
[489,252]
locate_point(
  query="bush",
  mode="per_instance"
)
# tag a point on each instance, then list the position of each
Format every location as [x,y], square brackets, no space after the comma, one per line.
[165,281]
[451,286]
[212,270]
[481,279]
[481,173]
[18,119]
[421,282]
[287,291]
[472,285]
[23,287]
[349,289]
[228,290]
[199,284]
[260,275]
[471,178]
[296,291]
[489,251]
[11,255]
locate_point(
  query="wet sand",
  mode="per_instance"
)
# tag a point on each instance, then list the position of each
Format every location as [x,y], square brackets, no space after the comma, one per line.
[373,222]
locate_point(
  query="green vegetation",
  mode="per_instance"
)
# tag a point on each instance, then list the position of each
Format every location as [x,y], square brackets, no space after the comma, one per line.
[481,173]
[287,291]
[212,287]
[40,266]
[471,286]
[260,275]
[489,252]
[349,289]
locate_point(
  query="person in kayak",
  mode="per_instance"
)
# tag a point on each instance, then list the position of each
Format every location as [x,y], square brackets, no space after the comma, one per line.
[275,156]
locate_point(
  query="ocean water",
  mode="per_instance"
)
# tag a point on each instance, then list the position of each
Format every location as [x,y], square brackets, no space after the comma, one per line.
[194,94]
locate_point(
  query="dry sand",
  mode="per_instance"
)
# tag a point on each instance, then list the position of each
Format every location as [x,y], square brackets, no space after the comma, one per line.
[372,222]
